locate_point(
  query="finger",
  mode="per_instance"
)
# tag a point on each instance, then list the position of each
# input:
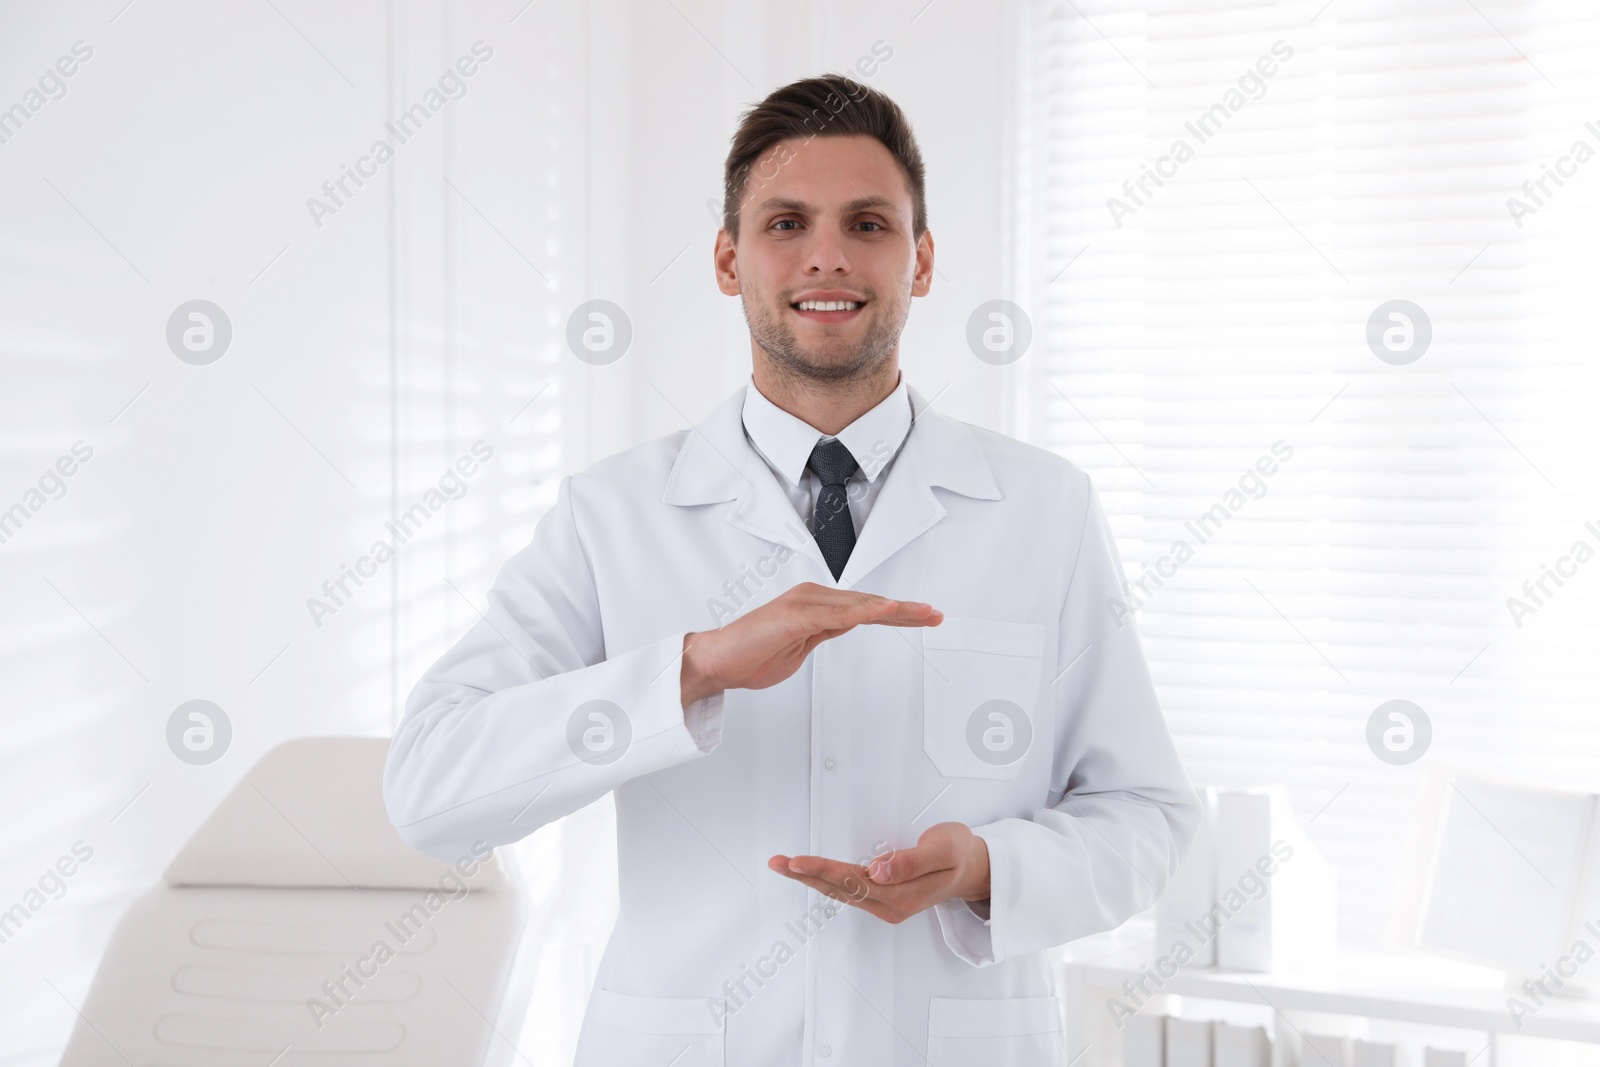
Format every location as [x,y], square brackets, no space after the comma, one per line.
[918,893]
[900,865]
[867,903]
[901,619]
[934,851]
[823,886]
[908,866]
[852,608]
[844,618]
[844,874]
[812,594]
[850,880]
[900,612]
[890,904]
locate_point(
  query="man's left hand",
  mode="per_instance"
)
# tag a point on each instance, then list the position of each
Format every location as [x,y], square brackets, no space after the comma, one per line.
[949,860]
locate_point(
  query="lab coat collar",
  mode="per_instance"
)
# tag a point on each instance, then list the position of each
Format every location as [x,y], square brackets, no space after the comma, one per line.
[786,441]
[717,464]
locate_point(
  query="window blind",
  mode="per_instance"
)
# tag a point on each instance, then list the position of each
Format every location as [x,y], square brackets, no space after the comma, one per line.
[1214,199]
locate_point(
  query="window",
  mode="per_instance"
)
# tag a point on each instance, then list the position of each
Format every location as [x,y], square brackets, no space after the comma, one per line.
[1217,198]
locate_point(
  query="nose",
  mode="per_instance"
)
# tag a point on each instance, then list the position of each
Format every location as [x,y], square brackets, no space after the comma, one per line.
[825,254]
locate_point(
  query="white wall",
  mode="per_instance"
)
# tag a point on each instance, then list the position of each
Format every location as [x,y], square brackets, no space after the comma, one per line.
[367,354]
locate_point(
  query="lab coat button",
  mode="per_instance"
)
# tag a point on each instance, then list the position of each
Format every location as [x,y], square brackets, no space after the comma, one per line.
[825,1051]
[828,911]
[830,763]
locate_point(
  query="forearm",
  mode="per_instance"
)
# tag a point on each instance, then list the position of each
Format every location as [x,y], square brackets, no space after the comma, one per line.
[472,764]
[694,679]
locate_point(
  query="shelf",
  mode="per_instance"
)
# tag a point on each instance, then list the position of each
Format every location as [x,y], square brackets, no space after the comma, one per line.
[1406,988]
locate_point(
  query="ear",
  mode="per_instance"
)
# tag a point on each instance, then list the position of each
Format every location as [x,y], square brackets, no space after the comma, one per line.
[725,263]
[922,279]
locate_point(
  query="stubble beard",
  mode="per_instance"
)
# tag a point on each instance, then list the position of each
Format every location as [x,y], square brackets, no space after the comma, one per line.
[790,360]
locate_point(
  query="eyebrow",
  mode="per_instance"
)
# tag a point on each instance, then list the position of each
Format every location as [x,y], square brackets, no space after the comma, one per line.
[865,203]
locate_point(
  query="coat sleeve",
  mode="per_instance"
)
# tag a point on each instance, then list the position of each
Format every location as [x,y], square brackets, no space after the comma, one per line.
[1125,813]
[527,719]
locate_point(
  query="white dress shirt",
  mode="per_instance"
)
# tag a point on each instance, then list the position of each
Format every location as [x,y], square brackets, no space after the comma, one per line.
[785,442]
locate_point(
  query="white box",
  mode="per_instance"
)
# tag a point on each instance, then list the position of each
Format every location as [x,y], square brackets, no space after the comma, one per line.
[1188,1042]
[1240,1046]
[1484,846]
[1276,894]
[1144,1041]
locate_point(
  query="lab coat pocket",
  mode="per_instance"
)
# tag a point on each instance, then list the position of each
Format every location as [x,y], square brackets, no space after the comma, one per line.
[980,695]
[619,1029]
[1025,1032]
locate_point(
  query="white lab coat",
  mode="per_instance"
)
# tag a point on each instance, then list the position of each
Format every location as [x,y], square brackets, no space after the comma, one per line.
[569,688]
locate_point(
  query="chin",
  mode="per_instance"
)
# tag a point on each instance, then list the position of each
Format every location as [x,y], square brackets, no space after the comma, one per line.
[846,364]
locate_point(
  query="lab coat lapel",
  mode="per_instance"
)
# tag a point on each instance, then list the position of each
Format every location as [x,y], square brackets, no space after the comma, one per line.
[718,464]
[939,451]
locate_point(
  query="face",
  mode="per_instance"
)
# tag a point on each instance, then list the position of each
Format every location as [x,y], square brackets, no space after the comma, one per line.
[826,221]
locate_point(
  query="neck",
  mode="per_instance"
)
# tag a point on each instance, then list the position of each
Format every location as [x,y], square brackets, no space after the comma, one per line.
[827,406]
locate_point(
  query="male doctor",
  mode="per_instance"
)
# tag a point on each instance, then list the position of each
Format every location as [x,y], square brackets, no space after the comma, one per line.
[875,738]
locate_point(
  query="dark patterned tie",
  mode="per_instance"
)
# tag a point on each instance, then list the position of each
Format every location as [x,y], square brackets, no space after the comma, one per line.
[831,523]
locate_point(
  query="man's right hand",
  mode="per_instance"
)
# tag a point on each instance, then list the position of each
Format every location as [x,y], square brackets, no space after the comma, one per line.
[769,644]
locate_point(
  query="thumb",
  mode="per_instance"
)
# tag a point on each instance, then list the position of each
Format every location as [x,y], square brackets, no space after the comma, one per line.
[901,865]
[882,868]
[936,850]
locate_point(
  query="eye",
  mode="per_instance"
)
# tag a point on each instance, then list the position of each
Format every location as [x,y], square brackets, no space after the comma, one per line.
[785,222]
[869,222]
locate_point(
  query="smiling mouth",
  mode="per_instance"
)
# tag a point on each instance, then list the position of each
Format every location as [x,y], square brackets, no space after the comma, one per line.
[828,310]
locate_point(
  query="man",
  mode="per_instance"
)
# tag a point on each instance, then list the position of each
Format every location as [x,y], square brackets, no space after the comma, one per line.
[829,645]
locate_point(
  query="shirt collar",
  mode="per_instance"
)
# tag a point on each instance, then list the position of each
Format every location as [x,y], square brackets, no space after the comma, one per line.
[786,441]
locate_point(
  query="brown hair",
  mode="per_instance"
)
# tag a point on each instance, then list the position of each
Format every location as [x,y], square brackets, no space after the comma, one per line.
[830,105]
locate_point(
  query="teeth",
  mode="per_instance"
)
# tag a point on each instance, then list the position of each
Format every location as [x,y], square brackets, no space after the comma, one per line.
[828,305]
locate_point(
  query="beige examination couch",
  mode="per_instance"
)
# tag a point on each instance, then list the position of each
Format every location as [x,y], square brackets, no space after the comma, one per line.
[296,924]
